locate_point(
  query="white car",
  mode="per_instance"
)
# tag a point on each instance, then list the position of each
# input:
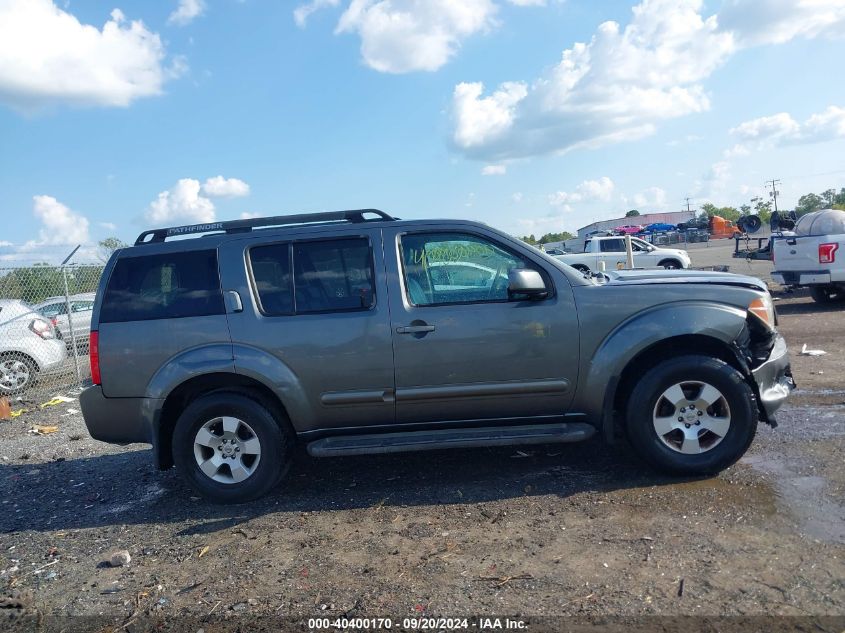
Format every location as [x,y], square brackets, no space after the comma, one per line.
[81,309]
[611,251]
[28,347]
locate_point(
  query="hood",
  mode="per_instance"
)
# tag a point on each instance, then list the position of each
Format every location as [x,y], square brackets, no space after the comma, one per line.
[644,277]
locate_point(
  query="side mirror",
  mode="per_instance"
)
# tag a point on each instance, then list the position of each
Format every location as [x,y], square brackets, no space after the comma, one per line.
[528,283]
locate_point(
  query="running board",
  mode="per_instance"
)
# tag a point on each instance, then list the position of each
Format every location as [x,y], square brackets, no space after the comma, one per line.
[405,441]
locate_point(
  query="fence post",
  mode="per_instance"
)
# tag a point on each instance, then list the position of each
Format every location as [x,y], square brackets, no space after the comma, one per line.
[70,325]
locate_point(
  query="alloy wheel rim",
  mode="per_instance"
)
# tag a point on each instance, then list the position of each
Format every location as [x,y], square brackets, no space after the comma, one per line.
[14,374]
[691,417]
[227,450]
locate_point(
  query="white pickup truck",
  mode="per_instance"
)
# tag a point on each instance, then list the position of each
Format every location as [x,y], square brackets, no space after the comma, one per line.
[611,251]
[814,256]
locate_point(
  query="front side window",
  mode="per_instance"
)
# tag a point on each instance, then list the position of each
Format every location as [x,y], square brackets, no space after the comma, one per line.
[445,268]
[327,276]
[165,286]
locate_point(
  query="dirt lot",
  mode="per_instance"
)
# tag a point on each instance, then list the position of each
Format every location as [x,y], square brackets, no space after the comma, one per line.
[566,530]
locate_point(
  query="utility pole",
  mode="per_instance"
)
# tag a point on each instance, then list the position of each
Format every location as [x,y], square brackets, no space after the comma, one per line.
[774,192]
[688,199]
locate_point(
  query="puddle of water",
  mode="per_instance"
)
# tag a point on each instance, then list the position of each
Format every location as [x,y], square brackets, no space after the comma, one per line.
[804,498]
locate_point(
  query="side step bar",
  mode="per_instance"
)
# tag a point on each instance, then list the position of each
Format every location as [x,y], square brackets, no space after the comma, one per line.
[405,441]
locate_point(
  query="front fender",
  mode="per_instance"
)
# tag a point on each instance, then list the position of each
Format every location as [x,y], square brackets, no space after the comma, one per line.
[644,329]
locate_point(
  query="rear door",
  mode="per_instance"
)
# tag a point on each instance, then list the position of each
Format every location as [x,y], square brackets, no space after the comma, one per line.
[317,303]
[463,349]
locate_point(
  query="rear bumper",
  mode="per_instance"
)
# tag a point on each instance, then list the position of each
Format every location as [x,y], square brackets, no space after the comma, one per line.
[774,380]
[802,277]
[117,420]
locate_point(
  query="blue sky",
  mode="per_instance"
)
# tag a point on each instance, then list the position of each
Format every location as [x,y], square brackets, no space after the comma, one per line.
[530,115]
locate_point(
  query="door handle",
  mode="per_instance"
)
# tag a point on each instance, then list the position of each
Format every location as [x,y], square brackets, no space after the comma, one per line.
[233,301]
[415,329]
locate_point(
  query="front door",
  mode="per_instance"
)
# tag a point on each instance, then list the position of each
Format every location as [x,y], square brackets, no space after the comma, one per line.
[463,348]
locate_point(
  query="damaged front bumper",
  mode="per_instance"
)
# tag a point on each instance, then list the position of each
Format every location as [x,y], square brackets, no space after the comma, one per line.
[774,380]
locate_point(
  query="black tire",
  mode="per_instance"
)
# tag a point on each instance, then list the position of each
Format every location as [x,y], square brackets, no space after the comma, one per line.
[670,264]
[648,391]
[275,437]
[31,369]
[827,294]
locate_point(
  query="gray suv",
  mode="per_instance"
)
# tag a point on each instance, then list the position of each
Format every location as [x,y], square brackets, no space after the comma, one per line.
[353,332]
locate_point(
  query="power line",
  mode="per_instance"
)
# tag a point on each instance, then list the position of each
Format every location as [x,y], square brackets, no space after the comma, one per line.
[774,192]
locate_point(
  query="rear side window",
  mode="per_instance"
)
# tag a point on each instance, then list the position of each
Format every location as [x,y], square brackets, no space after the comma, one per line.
[328,276]
[163,287]
[612,246]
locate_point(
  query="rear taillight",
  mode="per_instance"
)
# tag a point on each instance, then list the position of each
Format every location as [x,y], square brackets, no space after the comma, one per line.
[827,252]
[42,329]
[94,356]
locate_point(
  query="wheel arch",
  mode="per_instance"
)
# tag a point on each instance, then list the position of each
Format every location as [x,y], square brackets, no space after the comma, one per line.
[697,326]
[197,386]
[672,260]
[683,345]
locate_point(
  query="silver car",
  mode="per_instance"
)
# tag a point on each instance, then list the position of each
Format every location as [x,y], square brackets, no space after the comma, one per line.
[81,308]
[28,346]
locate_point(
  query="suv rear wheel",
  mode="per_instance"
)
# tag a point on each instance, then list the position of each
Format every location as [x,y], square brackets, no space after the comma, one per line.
[230,448]
[692,415]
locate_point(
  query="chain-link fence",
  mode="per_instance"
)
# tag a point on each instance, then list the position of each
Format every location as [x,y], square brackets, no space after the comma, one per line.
[45,325]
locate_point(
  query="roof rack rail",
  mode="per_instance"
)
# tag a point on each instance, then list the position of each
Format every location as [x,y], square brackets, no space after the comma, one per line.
[356,216]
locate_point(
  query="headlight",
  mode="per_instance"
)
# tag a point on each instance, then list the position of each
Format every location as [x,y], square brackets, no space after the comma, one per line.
[763,309]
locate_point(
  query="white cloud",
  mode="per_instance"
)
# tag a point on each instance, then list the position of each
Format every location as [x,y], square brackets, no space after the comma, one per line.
[246,215]
[494,170]
[480,121]
[221,187]
[588,191]
[778,21]
[186,12]
[304,11]
[782,129]
[614,88]
[59,225]
[400,36]
[651,198]
[181,203]
[517,197]
[4,244]
[109,226]
[185,202]
[47,56]
[528,3]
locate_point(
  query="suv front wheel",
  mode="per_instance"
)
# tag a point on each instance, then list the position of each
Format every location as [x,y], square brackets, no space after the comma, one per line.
[230,448]
[692,415]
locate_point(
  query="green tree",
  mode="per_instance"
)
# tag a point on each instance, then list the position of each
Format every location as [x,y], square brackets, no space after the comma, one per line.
[108,246]
[829,197]
[808,203]
[632,213]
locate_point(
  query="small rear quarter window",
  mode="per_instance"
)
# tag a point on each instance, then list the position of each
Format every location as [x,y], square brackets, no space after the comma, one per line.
[168,286]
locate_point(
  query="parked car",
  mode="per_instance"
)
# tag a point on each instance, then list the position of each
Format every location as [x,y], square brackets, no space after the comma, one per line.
[328,330]
[81,307]
[611,251]
[814,256]
[629,229]
[28,347]
[659,227]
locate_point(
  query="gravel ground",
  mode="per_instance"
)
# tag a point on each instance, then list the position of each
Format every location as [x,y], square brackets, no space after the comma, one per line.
[584,530]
